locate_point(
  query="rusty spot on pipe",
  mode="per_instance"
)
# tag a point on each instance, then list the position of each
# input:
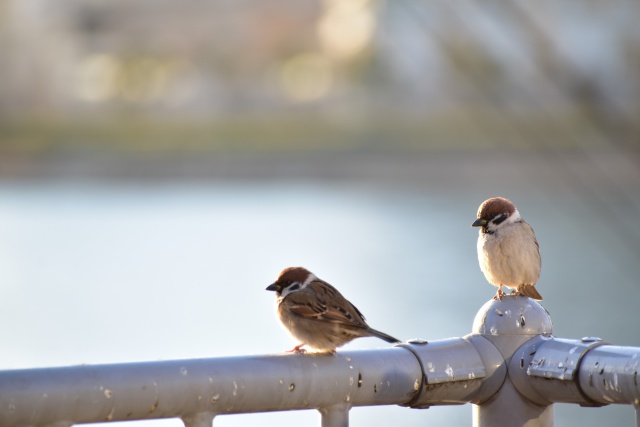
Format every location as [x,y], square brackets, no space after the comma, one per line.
[521,323]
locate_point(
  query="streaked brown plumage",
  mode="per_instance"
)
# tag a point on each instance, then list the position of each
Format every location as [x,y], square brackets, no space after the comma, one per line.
[316,314]
[508,251]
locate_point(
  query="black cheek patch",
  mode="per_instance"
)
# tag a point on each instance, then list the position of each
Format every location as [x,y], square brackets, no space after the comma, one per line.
[499,219]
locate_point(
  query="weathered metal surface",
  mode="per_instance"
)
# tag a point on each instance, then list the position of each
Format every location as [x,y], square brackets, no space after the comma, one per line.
[588,372]
[609,374]
[182,388]
[508,324]
[494,365]
[513,315]
[335,416]
[453,372]
[511,367]
[545,370]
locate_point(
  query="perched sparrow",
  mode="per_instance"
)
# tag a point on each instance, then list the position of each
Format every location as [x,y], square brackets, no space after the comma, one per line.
[508,251]
[316,314]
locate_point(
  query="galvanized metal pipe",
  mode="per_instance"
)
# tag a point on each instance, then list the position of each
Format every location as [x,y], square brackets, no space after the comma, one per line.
[587,372]
[511,368]
[416,374]
[201,419]
[182,388]
[335,416]
[456,362]
[609,374]
[508,324]
[545,370]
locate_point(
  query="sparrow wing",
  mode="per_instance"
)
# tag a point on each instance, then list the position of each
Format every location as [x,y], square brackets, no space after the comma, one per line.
[321,301]
[535,240]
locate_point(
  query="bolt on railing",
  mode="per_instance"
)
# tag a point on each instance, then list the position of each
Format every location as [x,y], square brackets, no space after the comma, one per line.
[510,367]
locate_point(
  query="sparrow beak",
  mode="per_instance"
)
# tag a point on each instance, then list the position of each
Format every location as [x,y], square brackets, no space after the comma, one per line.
[273,287]
[480,222]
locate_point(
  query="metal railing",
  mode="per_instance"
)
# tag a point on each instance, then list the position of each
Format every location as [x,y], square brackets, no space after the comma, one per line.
[510,367]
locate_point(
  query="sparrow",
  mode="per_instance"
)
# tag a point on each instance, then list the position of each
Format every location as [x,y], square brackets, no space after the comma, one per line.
[316,314]
[508,250]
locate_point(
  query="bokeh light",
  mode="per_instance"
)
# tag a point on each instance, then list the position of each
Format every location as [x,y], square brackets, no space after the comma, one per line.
[306,77]
[97,78]
[346,27]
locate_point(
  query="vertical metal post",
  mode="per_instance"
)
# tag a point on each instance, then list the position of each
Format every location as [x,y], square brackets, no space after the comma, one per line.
[335,416]
[201,419]
[508,324]
[509,408]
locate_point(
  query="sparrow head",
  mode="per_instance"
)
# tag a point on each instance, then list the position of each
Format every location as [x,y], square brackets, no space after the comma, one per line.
[291,279]
[493,212]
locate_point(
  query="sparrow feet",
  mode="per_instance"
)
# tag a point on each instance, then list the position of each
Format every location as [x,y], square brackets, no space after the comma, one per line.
[498,296]
[298,349]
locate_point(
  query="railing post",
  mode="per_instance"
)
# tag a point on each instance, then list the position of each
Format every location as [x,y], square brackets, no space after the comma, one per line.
[335,416]
[511,368]
[201,419]
[508,324]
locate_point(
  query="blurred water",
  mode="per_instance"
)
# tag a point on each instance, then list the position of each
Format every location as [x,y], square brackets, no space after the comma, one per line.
[97,273]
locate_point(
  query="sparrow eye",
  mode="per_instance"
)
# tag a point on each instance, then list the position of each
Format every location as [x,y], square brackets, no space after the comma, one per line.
[294,287]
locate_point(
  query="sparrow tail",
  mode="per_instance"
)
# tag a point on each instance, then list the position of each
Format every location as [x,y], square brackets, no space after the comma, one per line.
[383,336]
[530,291]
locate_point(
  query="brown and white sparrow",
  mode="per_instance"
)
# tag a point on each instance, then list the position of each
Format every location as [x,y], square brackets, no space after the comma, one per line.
[316,314]
[508,251]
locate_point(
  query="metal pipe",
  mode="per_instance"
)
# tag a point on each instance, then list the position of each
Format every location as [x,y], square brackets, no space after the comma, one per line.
[179,388]
[494,365]
[508,324]
[609,374]
[545,370]
[511,368]
[416,374]
[201,419]
[454,362]
[335,416]
[587,372]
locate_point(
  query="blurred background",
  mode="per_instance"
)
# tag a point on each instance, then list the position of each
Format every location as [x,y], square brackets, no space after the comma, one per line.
[162,161]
